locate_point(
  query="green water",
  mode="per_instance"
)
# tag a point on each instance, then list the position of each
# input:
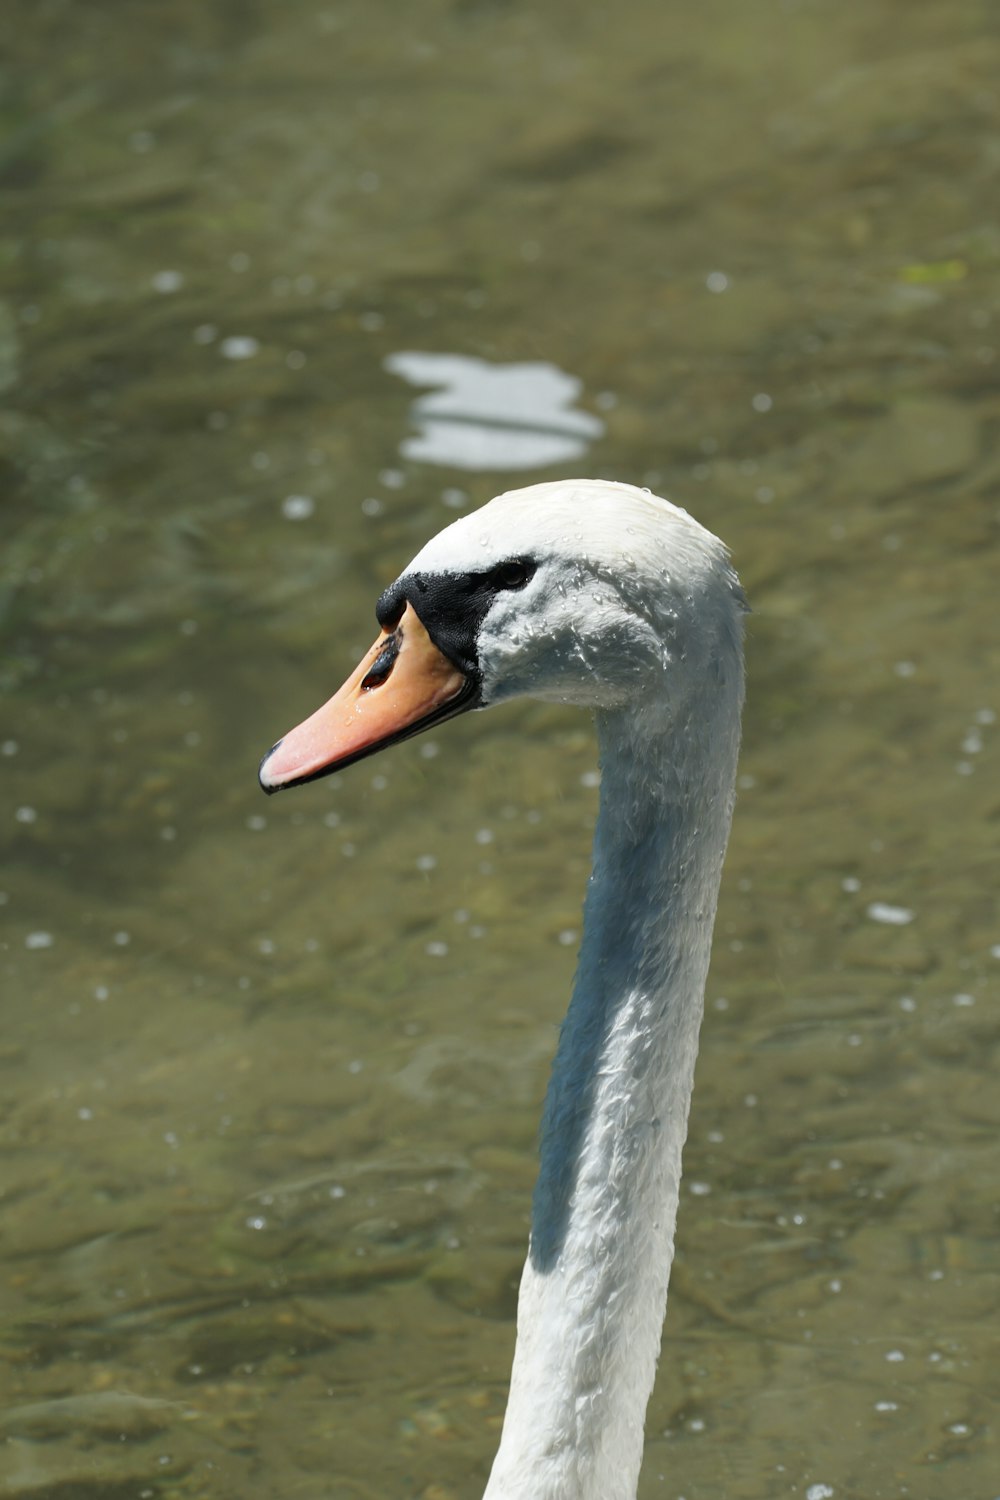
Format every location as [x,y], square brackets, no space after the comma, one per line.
[271,1070]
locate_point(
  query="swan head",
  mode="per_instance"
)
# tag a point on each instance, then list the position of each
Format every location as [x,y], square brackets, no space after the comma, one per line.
[584,591]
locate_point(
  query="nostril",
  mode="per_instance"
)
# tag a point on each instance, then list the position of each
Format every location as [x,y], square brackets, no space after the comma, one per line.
[382,665]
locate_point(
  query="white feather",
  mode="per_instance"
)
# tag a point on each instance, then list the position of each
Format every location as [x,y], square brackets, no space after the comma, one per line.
[634,611]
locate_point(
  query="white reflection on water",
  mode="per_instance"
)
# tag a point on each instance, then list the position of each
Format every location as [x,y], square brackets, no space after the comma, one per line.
[484,416]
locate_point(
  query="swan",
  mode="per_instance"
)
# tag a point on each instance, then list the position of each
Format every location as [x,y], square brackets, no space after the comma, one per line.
[603,595]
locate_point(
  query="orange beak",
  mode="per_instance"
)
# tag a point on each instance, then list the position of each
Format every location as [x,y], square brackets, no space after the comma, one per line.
[402,685]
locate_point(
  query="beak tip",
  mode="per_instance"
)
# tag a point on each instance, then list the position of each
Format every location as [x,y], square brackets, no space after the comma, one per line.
[266,785]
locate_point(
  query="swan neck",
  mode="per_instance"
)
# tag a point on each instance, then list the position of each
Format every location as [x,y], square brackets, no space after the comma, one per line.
[594,1288]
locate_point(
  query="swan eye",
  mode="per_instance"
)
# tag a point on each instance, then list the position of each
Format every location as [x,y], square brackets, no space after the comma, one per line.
[513,574]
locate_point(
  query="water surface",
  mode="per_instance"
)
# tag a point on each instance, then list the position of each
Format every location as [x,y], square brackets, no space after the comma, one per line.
[271,1070]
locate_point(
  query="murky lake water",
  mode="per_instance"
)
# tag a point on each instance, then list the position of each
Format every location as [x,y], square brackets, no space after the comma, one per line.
[271,1070]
